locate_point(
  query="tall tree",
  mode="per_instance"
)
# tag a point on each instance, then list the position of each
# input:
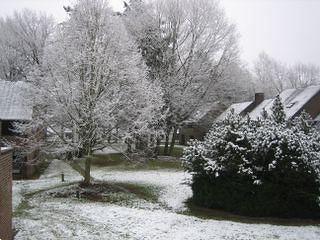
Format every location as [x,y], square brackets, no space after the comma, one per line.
[303,75]
[187,46]
[271,75]
[93,82]
[22,41]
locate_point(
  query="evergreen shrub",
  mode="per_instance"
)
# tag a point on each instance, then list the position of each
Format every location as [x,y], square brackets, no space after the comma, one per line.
[264,167]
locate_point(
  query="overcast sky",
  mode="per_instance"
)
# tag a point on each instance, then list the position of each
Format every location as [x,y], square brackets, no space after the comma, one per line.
[288,30]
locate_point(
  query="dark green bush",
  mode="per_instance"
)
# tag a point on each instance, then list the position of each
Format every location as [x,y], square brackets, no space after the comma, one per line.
[268,167]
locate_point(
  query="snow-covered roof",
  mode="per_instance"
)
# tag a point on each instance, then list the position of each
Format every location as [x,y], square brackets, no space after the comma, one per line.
[13,104]
[256,112]
[237,107]
[298,99]
[202,111]
[292,99]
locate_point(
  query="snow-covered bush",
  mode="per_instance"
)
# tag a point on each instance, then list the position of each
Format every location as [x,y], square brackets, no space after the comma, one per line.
[268,167]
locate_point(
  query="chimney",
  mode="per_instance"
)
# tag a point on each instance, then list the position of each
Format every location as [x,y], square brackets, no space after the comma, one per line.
[258,98]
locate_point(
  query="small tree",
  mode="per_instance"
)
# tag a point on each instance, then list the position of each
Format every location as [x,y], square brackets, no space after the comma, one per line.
[278,115]
[303,122]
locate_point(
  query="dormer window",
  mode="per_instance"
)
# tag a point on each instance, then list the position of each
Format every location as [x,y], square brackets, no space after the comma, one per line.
[290,105]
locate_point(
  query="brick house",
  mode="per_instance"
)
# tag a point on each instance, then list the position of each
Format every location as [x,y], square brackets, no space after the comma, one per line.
[199,122]
[5,193]
[14,108]
[294,101]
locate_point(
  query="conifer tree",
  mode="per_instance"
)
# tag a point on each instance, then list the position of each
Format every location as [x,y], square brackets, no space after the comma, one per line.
[303,122]
[264,114]
[278,114]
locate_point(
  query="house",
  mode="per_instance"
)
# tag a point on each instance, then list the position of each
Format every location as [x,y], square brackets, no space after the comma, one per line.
[5,193]
[14,108]
[199,123]
[294,100]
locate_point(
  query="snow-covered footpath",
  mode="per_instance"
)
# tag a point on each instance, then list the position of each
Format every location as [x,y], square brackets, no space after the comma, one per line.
[52,218]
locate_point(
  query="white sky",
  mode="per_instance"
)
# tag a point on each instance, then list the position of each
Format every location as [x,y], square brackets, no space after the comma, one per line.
[288,30]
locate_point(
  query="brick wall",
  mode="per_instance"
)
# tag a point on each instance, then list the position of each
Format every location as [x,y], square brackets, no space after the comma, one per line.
[5,194]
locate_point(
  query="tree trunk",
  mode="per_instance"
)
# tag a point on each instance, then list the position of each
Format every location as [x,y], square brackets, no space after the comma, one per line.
[129,147]
[166,145]
[157,149]
[87,169]
[173,140]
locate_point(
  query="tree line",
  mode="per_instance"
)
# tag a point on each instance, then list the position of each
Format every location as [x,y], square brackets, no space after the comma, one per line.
[135,76]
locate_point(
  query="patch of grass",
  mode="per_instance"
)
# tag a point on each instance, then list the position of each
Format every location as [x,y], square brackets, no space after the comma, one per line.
[117,162]
[177,151]
[146,192]
[162,164]
[24,206]
[206,213]
[111,159]
[114,192]
[21,210]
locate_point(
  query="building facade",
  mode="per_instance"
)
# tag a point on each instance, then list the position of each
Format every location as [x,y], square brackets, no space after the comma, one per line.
[5,193]
[14,108]
[294,102]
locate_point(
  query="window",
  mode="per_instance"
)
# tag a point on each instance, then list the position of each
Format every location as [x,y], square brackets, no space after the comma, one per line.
[7,128]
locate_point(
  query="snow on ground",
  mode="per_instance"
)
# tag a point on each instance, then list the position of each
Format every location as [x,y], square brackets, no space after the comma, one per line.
[174,190]
[50,178]
[59,218]
[67,219]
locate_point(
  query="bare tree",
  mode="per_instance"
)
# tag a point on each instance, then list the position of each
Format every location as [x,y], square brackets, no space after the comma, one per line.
[303,75]
[93,83]
[22,41]
[271,75]
[187,46]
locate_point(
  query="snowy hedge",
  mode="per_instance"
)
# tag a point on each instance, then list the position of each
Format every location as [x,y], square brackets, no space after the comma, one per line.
[268,167]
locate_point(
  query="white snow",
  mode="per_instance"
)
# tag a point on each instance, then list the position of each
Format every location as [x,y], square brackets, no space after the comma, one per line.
[266,104]
[54,218]
[299,99]
[74,220]
[50,178]
[237,107]
[174,190]
[13,104]
[292,99]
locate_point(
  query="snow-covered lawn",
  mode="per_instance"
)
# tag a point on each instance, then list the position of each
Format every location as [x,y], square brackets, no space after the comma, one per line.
[59,218]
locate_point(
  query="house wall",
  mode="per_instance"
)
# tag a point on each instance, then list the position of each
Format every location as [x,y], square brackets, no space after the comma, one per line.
[6,194]
[188,133]
[24,166]
[312,106]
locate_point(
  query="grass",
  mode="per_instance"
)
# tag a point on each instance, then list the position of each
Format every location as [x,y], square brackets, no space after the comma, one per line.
[206,213]
[117,162]
[146,192]
[111,159]
[177,151]
[24,205]
[21,210]
[101,191]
